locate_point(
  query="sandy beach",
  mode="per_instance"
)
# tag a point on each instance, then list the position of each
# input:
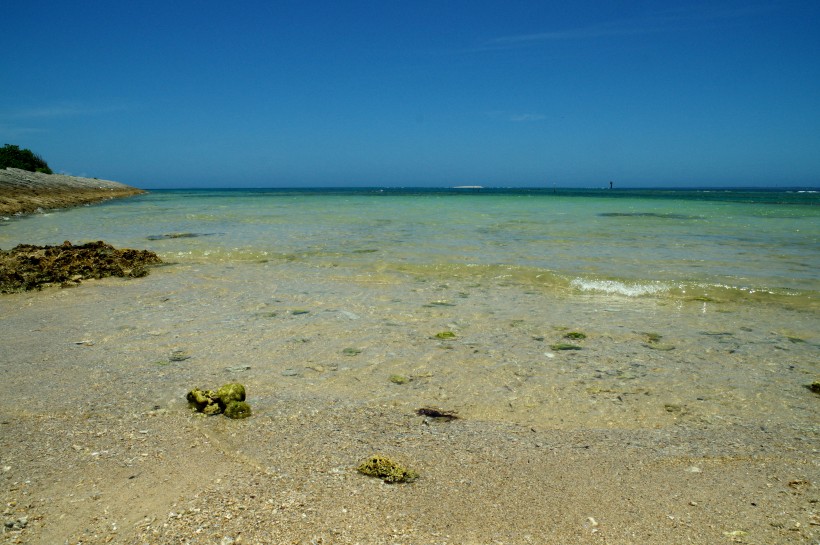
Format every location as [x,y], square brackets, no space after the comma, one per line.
[23,192]
[98,444]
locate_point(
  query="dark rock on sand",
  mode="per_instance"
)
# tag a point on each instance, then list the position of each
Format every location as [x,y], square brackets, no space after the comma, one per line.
[28,267]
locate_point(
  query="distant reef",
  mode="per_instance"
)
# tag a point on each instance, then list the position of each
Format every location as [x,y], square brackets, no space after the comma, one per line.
[24,192]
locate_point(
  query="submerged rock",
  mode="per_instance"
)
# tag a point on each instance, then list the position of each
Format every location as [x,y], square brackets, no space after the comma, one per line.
[27,267]
[178,235]
[575,335]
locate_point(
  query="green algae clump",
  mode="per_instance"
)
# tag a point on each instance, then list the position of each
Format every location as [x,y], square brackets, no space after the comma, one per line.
[399,379]
[565,346]
[445,335]
[238,409]
[653,337]
[575,335]
[386,469]
[205,401]
[228,400]
[814,386]
[231,392]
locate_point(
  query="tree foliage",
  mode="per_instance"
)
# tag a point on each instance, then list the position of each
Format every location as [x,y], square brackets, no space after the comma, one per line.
[12,156]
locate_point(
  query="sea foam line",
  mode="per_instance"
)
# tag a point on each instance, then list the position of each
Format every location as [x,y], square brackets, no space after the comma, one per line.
[614,287]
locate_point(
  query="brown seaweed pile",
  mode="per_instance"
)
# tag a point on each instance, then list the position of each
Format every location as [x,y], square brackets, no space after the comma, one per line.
[28,267]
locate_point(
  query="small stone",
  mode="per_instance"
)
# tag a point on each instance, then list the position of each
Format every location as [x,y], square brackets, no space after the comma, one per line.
[179,355]
[290,373]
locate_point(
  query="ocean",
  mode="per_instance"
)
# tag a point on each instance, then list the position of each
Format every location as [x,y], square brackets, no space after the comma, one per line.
[555,307]
[711,244]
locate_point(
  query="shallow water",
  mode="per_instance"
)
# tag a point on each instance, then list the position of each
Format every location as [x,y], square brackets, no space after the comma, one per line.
[687,243]
[696,312]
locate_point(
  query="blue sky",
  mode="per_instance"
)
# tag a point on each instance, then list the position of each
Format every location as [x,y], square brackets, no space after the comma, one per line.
[424,93]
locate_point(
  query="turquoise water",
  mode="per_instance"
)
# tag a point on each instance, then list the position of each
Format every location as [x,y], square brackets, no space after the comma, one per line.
[705,302]
[705,244]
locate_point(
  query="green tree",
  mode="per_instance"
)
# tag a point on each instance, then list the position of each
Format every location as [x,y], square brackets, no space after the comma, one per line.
[12,156]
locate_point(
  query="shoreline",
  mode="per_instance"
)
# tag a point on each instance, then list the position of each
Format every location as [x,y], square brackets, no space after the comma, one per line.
[23,192]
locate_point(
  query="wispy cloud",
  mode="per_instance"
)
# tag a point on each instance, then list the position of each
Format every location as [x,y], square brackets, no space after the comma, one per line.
[17,122]
[11,131]
[516,117]
[519,118]
[59,110]
[671,20]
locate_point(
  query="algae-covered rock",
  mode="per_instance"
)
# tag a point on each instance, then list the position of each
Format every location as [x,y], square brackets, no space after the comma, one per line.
[386,469]
[445,335]
[231,392]
[212,409]
[399,379]
[814,386]
[237,409]
[575,335]
[205,401]
[228,396]
[28,267]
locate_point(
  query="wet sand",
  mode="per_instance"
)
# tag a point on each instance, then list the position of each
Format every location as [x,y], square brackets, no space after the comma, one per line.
[23,192]
[710,437]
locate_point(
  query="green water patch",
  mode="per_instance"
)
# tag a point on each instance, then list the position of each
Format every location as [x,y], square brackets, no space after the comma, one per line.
[661,215]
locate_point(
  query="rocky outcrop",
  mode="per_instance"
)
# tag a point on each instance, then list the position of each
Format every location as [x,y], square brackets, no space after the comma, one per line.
[24,192]
[27,267]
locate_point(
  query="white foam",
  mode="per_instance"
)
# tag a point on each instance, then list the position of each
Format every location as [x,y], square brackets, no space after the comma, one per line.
[619,288]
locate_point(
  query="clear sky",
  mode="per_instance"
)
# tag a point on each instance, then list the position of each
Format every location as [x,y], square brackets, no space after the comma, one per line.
[426,93]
